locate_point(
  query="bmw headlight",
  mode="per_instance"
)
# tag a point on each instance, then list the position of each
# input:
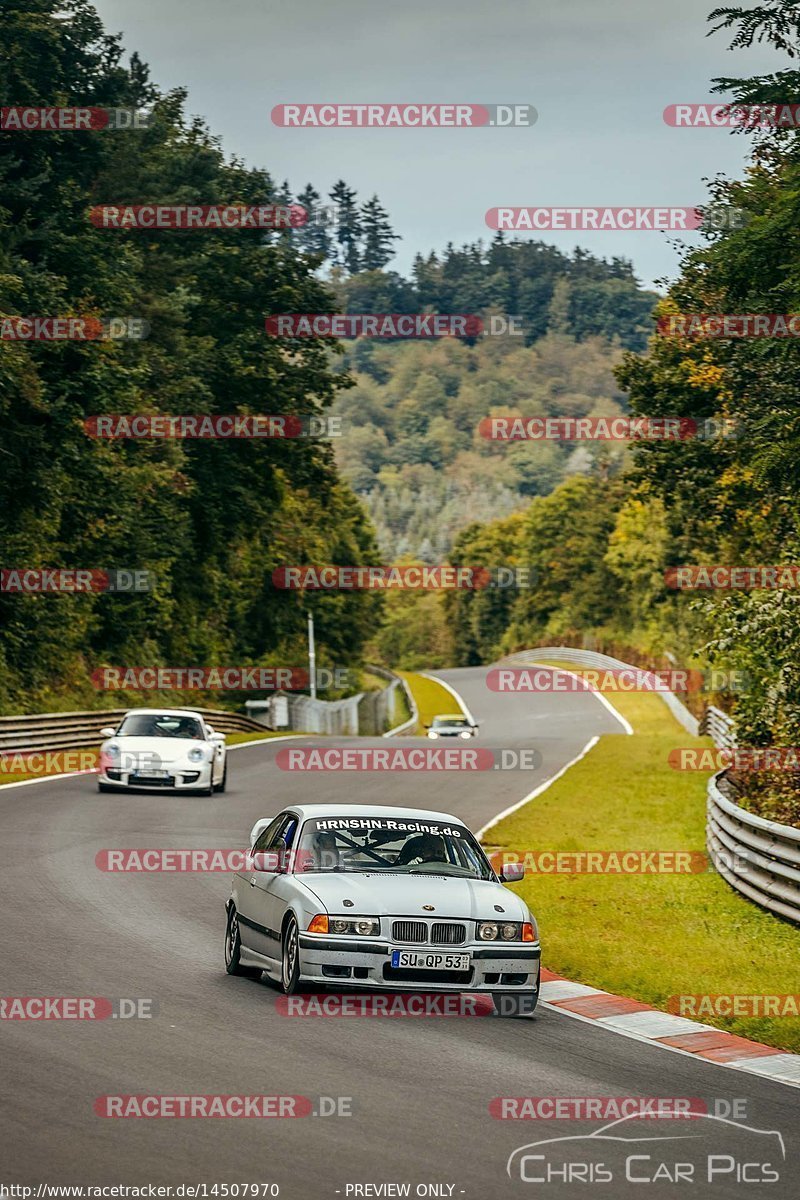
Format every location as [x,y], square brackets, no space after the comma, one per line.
[363,926]
[197,754]
[503,931]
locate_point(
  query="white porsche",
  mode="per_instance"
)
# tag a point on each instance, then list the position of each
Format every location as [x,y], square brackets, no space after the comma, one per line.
[380,898]
[163,748]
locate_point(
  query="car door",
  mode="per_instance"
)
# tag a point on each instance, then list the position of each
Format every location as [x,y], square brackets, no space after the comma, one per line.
[263,898]
[248,898]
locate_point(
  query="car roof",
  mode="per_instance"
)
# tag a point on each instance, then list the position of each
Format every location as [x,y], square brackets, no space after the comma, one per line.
[165,712]
[308,811]
[450,717]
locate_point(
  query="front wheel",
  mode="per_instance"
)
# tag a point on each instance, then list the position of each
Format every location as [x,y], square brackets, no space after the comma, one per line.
[233,948]
[290,959]
[514,1004]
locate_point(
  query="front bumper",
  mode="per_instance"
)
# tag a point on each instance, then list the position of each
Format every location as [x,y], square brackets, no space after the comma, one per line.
[186,778]
[366,962]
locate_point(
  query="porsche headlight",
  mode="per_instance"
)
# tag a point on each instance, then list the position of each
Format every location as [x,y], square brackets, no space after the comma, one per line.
[196,754]
[487,931]
[363,926]
[466,733]
[113,751]
[432,733]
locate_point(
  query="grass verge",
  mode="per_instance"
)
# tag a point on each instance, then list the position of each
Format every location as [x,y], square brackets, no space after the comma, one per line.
[430,697]
[650,937]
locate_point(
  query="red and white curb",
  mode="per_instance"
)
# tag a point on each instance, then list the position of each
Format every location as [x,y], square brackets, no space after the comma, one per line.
[641,1021]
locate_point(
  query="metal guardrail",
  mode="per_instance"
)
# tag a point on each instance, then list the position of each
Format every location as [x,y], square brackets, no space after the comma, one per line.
[591,658]
[717,725]
[757,857]
[760,859]
[397,681]
[80,730]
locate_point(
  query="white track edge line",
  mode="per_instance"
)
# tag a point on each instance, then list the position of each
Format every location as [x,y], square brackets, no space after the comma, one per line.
[537,791]
[739,1064]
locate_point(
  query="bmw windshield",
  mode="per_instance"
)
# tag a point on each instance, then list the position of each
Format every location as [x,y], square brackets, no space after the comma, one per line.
[395,846]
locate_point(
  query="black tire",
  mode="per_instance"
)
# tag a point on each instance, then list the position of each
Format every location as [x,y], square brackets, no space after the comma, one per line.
[514,1004]
[290,959]
[233,948]
[220,787]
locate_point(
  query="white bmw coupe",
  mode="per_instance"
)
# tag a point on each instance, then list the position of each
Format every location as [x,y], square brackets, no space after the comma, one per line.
[380,898]
[163,748]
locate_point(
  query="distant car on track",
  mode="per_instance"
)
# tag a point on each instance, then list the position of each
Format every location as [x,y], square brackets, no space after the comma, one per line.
[383,899]
[452,725]
[160,749]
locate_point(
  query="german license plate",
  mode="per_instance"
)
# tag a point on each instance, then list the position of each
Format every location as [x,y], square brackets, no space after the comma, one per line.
[143,776]
[430,962]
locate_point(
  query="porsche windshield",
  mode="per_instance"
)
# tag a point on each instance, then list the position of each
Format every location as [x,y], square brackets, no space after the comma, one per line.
[406,846]
[160,725]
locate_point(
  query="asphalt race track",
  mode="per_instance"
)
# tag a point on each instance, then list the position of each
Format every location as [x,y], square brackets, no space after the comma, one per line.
[420,1088]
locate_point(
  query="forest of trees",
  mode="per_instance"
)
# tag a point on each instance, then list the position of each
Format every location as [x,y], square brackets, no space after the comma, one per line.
[210,520]
[599,523]
[601,544]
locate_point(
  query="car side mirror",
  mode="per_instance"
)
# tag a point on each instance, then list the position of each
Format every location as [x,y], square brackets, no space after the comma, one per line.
[258,829]
[512,873]
[218,737]
[107,732]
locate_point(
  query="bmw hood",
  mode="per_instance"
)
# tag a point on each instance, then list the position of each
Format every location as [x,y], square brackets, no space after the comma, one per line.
[387,895]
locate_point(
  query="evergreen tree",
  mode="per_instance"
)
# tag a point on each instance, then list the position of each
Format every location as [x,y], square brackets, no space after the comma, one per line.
[377,234]
[348,221]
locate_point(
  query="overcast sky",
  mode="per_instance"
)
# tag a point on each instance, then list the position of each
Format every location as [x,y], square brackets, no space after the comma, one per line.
[599,72]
